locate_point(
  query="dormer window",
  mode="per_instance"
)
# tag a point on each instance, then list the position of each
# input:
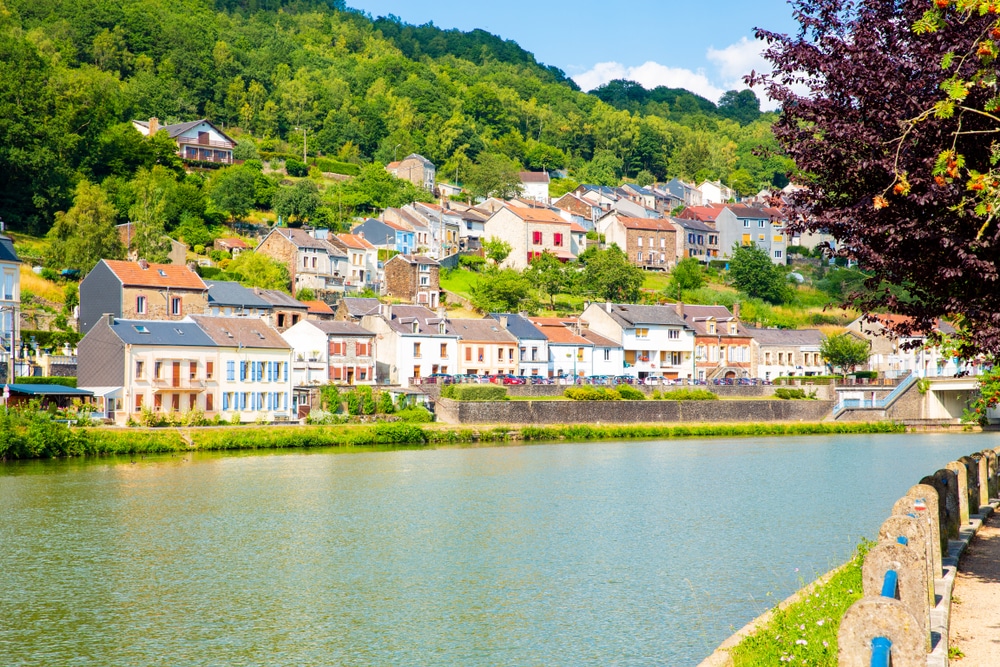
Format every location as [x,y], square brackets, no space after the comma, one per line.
[441,328]
[711,326]
[416,327]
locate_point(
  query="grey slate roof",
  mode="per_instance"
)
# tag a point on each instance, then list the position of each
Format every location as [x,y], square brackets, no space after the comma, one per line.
[360,306]
[299,238]
[7,252]
[340,328]
[692,225]
[630,314]
[488,330]
[279,299]
[416,259]
[226,293]
[427,321]
[597,339]
[155,332]
[240,331]
[520,326]
[177,129]
[786,336]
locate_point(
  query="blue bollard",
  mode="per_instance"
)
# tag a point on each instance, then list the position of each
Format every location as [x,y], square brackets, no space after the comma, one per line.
[902,540]
[881,652]
[889,584]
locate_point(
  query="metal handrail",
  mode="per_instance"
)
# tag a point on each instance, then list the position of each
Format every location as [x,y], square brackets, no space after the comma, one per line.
[881,652]
[890,585]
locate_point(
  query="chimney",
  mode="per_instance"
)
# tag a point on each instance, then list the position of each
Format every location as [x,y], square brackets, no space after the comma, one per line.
[111,319]
[154,125]
[143,264]
[387,310]
[361,235]
[607,306]
[503,321]
[680,309]
[736,310]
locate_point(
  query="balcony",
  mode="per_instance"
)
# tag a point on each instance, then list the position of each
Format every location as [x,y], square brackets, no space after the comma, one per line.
[193,141]
[178,385]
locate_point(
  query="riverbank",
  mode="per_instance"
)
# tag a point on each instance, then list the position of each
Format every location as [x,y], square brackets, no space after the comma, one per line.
[57,440]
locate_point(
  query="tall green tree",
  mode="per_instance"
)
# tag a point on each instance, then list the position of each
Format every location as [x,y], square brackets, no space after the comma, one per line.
[548,274]
[232,191]
[610,276]
[845,351]
[503,291]
[752,272]
[257,270]
[298,202]
[494,175]
[86,233]
[496,250]
[687,275]
[148,214]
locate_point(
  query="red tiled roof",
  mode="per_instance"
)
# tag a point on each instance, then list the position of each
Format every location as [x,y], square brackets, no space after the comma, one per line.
[556,331]
[174,276]
[703,213]
[319,307]
[652,224]
[540,215]
[577,227]
[355,241]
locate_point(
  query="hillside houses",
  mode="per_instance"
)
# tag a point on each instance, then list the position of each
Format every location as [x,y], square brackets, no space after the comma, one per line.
[530,232]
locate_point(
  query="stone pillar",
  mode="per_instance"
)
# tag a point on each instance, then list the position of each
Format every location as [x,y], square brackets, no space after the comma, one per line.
[917,534]
[940,482]
[879,617]
[972,479]
[983,479]
[963,492]
[926,496]
[991,472]
[912,573]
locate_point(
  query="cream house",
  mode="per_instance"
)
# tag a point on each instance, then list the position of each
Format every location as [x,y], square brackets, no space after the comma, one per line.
[530,232]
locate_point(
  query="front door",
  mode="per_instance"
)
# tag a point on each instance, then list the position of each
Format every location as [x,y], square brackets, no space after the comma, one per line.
[177,374]
[350,376]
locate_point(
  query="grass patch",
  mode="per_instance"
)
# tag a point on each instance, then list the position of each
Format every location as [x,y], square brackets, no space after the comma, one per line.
[40,287]
[685,395]
[804,632]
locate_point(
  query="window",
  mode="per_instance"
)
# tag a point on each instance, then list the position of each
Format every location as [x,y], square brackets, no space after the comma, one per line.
[712,239]
[733,328]
[192,401]
[779,239]
[444,350]
[674,334]
[638,256]
[777,254]
[193,370]
[140,305]
[760,223]
[243,371]
[536,238]
[416,350]
[425,268]
[761,237]
[534,354]
[691,238]
[663,243]
[711,327]
[362,348]
[746,239]
[175,305]
[425,281]
[579,354]
[157,402]
[639,241]
[138,402]
[480,356]
[642,332]
[8,286]
[337,349]
[468,353]
[767,358]
[607,354]
[701,239]
[305,262]
[314,262]
[175,402]
[500,354]
[158,370]
[231,371]
[510,354]
[557,239]
[746,223]
[675,358]
[139,369]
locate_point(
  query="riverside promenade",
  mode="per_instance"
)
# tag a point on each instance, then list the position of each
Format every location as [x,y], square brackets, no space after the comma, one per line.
[975,611]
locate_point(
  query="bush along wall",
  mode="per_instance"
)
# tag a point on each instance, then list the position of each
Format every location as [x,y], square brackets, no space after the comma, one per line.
[474,392]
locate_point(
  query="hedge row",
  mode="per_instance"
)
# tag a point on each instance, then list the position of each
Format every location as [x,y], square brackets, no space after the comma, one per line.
[474,392]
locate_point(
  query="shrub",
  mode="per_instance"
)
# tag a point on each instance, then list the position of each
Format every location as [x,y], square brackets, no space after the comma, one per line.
[689,395]
[474,392]
[630,393]
[399,434]
[472,262]
[295,167]
[587,393]
[366,400]
[865,375]
[63,382]
[787,393]
[199,249]
[337,167]
[415,414]
[384,404]
[50,274]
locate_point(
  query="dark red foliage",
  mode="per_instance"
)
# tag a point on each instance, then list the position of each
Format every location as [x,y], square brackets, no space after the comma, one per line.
[866,72]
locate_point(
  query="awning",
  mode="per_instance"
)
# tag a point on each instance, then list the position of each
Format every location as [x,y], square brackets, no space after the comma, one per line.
[103,391]
[45,390]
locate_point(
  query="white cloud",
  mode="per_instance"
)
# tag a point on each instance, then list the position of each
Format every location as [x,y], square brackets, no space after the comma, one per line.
[731,64]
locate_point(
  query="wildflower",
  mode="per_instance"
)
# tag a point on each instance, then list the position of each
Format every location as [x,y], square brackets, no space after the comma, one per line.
[826,644]
[820,622]
[803,642]
[802,627]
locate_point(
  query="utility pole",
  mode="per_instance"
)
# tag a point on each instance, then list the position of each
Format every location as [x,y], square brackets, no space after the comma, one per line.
[304,159]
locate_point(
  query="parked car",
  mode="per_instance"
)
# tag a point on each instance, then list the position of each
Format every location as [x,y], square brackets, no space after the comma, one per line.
[506,379]
[439,378]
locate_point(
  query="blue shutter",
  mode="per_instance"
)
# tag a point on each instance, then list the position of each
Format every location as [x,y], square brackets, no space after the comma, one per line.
[285,364]
[243,372]
[225,401]
[230,370]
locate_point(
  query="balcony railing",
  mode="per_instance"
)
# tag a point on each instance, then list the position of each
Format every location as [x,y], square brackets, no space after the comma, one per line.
[193,141]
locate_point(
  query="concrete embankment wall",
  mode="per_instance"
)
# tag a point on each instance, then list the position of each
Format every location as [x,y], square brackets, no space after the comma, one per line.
[629,412]
[824,391]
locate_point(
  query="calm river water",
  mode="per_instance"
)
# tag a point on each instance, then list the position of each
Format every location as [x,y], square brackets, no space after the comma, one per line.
[622,553]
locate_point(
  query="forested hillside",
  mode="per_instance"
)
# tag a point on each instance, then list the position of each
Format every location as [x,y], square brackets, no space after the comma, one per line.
[74,72]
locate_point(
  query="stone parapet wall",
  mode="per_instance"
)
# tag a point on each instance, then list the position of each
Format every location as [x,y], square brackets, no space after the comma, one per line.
[630,412]
[823,391]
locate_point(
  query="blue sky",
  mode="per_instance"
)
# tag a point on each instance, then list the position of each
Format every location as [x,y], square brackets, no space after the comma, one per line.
[703,46]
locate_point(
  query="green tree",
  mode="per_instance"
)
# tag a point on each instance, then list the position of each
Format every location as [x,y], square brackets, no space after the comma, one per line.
[256,270]
[844,351]
[496,250]
[688,275]
[604,169]
[644,178]
[548,274]
[232,191]
[86,233]
[752,272]
[494,175]
[610,276]
[502,291]
[298,202]
[148,214]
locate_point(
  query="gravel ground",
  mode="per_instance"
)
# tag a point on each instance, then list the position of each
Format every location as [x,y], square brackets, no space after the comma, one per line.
[975,609]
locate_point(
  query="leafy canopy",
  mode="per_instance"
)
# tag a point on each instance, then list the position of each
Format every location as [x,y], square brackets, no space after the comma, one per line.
[752,272]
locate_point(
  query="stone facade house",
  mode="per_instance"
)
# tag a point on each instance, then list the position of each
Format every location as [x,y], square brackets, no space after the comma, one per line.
[647,242]
[485,347]
[577,209]
[326,352]
[140,290]
[416,169]
[197,140]
[696,239]
[413,278]
[723,347]
[353,308]
[311,261]
[788,352]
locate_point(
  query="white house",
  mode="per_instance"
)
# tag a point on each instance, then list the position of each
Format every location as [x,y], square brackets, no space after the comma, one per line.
[656,340]
[787,352]
[197,140]
[10,297]
[714,192]
[535,186]
[325,352]
[412,342]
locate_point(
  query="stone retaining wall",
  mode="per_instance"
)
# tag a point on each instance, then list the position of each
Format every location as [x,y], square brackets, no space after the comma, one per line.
[823,391]
[629,412]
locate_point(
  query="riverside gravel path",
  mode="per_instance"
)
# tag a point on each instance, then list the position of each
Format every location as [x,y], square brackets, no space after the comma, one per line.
[975,609]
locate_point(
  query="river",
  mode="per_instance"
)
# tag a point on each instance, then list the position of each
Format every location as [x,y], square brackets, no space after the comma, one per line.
[616,553]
